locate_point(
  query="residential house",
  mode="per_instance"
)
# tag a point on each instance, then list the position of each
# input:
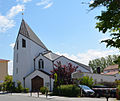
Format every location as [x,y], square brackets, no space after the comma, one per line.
[111,70]
[3,69]
[110,74]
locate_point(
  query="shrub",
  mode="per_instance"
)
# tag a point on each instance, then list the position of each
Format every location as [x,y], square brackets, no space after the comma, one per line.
[43,90]
[86,80]
[0,87]
[26,90]
[67,90]
[118,92]
[8,84]
[19,87]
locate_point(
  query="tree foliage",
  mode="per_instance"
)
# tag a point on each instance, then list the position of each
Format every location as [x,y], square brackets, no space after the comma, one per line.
[109,20]
[86,80]
[62,73]
[9,86]
[103,62]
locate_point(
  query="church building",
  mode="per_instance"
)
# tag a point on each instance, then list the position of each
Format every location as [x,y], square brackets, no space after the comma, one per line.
[33,61]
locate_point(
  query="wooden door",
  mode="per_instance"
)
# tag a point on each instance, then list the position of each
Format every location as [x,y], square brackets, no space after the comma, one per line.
[37,83]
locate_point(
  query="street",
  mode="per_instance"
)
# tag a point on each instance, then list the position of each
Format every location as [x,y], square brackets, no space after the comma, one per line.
[27,97]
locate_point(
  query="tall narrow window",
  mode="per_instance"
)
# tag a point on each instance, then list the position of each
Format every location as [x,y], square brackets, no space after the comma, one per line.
[17,58]
[41,64]
[17,44]
[16,70]
[23,43]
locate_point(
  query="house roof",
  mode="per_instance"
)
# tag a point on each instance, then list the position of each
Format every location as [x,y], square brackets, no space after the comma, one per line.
[111,73]
[37,70]
[27,32]
[111,67]
[52,56]
[4,60]
[82,65]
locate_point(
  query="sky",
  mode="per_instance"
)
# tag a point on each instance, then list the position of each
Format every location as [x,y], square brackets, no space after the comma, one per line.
[66,27]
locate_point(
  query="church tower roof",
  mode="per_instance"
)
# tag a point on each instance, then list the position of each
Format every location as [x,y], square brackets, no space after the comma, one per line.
[26,31]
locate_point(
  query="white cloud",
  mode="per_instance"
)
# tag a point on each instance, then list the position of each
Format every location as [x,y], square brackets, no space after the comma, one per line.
[49,5]
[92,1]
[15,10]
[12,45]
[45,3]
[89,55]
[10,67]
[24,1]
[7,22]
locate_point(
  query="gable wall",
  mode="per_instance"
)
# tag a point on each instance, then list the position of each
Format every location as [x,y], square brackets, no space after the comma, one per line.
[48,65]
[45,77]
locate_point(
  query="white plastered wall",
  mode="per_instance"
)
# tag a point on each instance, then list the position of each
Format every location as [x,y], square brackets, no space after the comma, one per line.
[98,78]
[26,55]
[48,65]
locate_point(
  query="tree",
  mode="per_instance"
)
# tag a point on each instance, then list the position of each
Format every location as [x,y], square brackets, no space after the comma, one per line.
[103,62]
[86,80]
[109,20]
[8,85]
[62,73]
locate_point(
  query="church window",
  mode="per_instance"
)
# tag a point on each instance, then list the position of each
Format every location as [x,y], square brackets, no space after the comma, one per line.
[23,43]
[17,44]
[41,64]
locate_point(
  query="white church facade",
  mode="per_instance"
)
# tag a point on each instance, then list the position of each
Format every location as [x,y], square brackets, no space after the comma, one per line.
[33,62]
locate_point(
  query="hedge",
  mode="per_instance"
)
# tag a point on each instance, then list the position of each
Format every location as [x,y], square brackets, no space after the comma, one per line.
[67,90]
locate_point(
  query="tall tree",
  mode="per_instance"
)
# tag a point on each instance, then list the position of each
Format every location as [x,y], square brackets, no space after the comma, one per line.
[103,62]
[109,20]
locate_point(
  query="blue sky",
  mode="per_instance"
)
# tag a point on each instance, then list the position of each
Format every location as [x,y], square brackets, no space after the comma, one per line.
[65,26]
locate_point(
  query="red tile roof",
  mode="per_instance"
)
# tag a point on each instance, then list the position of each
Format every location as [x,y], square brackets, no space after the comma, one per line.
[111,73]
[3,60]
[111,67]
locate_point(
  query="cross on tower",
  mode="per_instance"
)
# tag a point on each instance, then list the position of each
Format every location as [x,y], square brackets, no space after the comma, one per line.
[22,12]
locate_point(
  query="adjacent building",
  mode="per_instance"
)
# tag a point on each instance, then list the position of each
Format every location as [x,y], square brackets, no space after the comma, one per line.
[3,69]
[111,70]
[110,74]
[33,61]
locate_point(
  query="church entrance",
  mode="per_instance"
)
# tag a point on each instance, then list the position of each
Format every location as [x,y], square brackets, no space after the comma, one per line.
[37,83]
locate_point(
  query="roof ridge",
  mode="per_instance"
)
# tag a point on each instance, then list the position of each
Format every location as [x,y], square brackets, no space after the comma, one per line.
[26,31]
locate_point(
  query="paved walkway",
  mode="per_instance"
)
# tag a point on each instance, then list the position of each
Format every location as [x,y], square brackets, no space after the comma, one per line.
[27,97]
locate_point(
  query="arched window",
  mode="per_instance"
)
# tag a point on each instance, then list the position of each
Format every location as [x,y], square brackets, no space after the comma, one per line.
[41,64]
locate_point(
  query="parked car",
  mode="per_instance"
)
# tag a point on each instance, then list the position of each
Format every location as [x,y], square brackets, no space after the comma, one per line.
[86,91]
[104,91]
